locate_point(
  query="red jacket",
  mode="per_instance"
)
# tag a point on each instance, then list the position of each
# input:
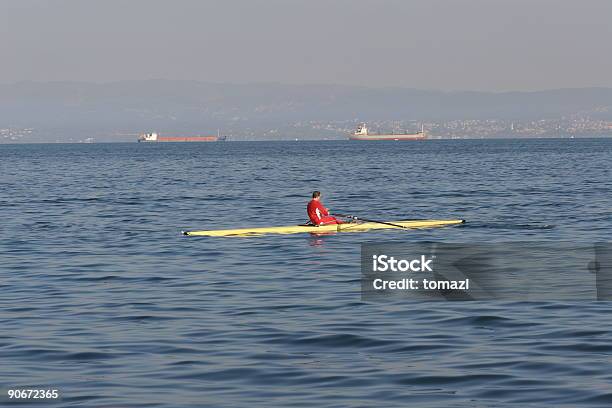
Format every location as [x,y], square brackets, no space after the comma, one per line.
[316,211]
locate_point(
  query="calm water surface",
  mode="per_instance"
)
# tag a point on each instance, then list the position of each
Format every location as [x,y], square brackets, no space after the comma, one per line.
[102,298]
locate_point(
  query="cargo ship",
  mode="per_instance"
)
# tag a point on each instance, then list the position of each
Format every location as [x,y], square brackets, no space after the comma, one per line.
[155,137]
[362,133]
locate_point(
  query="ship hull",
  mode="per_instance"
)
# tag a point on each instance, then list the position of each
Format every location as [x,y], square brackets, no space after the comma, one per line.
[183,139]
[417,136]
[187,139]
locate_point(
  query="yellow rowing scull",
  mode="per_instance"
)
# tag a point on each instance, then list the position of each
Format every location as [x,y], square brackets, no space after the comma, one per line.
[322,229]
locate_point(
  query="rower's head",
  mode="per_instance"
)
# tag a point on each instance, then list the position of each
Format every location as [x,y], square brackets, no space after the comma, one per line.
[316,195]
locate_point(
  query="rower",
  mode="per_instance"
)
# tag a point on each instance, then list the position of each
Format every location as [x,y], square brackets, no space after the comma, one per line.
[318,214]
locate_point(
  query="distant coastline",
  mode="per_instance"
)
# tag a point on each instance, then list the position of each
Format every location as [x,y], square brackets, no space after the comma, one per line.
[118,111]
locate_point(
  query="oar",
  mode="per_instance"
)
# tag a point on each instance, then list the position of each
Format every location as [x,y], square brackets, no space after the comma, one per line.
[368,220]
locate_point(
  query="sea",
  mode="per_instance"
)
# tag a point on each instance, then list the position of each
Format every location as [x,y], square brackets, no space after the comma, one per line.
[103,299]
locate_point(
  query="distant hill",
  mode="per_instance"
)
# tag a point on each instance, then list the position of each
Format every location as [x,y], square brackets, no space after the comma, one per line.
[58,109]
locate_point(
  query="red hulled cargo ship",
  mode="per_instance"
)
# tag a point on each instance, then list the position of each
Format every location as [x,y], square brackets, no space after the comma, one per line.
[155,137]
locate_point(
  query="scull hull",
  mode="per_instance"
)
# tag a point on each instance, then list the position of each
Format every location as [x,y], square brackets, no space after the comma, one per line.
[350,227]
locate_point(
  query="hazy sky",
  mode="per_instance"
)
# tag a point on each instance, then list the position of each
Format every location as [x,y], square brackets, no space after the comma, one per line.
[434,44]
